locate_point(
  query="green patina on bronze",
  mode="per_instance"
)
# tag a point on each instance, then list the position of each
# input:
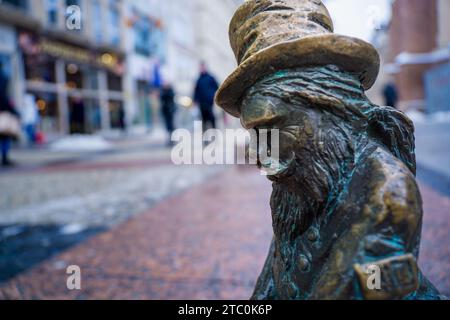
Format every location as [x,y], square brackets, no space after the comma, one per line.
[345,196]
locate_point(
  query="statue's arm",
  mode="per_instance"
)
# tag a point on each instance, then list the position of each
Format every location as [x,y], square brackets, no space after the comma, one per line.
[265,287]
[385,235]
[391,245]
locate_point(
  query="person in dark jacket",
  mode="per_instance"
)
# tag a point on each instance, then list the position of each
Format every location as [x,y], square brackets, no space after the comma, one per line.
[390,95]
[168,108]
[3,84]
[5,140]
[5,106]
[205,90]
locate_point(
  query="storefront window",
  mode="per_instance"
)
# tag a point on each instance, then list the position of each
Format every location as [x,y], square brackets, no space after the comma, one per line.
[74,76]
[72,3]
[85,116]
[114,23]
[145,115]
[158,44]
[97,21]
[93,116]
[48,111]
[114,82]
[117,114]
[149,37]
[77,115]
[20,4]
[142,30]
[91,79]
[52,12]
[40,68]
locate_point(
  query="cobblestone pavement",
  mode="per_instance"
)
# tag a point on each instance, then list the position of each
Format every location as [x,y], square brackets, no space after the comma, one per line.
[192,246]
[47,209]
[141,228]
[92,198]
[207,243]
[435,249]
[433,148]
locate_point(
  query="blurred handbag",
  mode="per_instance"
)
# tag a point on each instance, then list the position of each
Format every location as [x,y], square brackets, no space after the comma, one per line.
[9,125]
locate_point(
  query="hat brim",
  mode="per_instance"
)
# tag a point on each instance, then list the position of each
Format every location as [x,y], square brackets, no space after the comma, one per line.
[351,54]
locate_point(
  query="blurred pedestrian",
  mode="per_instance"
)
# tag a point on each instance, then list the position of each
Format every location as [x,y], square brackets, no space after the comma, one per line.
[122,119]
[5,145]
[30,117]
[9,120]
[168,108]
[205,90]
[390,93]
[4,81]
[9,129]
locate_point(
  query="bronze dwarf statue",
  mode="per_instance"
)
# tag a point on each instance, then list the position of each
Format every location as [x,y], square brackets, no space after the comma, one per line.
[344,196]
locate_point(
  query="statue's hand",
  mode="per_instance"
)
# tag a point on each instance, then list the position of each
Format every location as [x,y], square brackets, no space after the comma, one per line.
[388,279]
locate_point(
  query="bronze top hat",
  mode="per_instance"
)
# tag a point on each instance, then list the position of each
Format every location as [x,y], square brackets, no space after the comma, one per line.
[272,35]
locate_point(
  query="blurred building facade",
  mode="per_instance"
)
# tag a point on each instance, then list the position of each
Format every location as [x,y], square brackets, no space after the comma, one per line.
[144,46]
[419,53]
[69,60]
[101,76]
[197,33]
[213,45]
[437,79]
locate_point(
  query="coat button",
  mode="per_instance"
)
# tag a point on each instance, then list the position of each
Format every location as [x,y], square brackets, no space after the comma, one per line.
[313,235]
[304,263]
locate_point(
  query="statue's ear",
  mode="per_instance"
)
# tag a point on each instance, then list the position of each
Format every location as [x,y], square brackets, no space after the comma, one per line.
[379,132]
[395,131]
[375,131]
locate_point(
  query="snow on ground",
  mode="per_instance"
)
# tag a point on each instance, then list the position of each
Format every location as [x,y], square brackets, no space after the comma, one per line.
[421,118]
[417,117]
[441,117]
[81,143]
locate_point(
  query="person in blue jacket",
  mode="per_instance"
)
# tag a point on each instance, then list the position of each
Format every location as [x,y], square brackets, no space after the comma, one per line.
[205,91]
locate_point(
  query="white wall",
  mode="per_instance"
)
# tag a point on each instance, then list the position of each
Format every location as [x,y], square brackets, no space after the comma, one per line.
[444,23]
[212,23]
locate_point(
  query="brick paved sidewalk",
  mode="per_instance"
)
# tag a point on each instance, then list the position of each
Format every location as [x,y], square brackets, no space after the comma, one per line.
[208,243]
[435,249]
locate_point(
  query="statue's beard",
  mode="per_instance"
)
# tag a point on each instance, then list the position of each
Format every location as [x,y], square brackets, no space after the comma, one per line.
[297,202]
[315,178]
[292,213]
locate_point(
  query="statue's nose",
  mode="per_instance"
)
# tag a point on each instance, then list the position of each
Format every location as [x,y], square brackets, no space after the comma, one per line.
[259,113]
